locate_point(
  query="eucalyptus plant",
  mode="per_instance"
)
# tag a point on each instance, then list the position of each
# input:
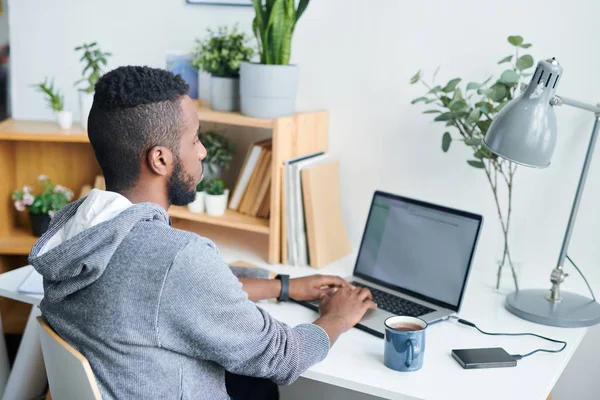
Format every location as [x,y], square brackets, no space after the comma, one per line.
[468,113]
[273,26]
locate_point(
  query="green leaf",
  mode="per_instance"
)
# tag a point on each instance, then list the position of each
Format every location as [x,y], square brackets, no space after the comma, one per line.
[445,100]
[451,85]
[457,105]
[416,77]
[429,101]
[476,163]
[446,140]
[483,91]
[418,99]
[509,77]
[432,112]
[497,92]
[474,116]
[435,89]
[484,125]
[473,86]
[473,142]
[505,59]
[525,46]
[524,62]
[515,40]
[444,117]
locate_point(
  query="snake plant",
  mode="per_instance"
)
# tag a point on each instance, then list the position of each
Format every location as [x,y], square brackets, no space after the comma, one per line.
[273,27]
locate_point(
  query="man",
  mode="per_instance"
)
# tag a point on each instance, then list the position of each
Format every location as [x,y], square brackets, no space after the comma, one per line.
[154,309]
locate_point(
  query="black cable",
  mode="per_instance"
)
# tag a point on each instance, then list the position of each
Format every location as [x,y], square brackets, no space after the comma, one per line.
[516,356]
[583,276]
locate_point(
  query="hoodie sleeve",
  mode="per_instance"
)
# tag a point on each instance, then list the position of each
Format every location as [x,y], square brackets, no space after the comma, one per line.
[204,313]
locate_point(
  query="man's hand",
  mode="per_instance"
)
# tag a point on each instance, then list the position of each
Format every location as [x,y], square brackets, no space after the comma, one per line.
[344,309]
[313,287]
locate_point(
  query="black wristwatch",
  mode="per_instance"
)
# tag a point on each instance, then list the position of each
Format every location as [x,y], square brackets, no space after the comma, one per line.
[285,287]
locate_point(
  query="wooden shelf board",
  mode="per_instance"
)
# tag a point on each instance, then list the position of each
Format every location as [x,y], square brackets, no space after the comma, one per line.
[231,219]
[18,242]
[206,114]
[41,131]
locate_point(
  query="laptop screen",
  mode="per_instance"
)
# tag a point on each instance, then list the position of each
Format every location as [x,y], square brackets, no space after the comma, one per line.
[418,248]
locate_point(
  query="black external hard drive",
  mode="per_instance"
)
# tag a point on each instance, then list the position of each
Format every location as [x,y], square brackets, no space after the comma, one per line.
[495,357]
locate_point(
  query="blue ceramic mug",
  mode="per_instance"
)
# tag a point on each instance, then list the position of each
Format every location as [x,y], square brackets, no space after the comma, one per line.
[404,343]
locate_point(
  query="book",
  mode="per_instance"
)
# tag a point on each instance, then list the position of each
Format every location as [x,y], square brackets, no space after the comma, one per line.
[325,229]
[245,174]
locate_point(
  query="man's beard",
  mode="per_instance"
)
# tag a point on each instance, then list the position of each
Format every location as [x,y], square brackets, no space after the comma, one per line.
[181,188]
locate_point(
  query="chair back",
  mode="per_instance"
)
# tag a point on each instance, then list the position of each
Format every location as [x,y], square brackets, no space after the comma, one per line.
[69,373]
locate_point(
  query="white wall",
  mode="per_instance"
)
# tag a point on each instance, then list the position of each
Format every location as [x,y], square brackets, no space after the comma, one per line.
[356,60]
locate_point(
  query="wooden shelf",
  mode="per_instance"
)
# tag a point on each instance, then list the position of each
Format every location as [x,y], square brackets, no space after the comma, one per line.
[18,242]
[206,114]
[41,131]
[231,219]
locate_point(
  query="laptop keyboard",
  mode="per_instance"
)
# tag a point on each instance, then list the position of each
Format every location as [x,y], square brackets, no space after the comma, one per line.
[394,304]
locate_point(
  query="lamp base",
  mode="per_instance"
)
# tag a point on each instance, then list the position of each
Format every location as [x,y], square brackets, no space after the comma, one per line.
[574,311]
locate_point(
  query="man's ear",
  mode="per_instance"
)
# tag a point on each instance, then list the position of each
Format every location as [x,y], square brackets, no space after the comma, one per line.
[160,160]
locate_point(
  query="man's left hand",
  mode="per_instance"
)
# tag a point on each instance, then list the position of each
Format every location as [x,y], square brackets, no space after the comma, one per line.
[311,287]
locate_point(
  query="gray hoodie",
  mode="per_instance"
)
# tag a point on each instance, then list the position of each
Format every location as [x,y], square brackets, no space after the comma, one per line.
[154,309]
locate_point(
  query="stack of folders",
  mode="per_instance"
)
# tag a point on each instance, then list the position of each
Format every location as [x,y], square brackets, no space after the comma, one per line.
[251,194]
[313,231]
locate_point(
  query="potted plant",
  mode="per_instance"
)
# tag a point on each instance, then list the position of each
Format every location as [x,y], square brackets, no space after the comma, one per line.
[220,55]
[217,196]
[56,103]
[467,113]
[197,206]
[42,207]
[219,151]
[268,89]
[93,58]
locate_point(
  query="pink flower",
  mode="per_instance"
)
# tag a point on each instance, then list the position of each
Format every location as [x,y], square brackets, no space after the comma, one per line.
[43,177]
[19,205]
[26,189]
[51,213]
[28,199]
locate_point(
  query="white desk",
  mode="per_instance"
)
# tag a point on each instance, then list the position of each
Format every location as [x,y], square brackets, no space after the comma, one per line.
[356,360]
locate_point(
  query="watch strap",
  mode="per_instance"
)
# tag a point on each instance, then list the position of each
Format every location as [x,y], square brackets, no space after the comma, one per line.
[285,287]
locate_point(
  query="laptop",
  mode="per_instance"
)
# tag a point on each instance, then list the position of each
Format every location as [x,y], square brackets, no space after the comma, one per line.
[415,257]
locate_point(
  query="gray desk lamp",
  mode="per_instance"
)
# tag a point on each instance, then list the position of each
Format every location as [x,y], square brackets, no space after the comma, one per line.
[525,132]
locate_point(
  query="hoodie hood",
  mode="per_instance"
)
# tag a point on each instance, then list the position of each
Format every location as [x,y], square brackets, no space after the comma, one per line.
[82,238]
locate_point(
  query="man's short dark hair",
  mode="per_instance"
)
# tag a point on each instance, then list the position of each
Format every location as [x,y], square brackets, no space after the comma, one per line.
[135,108]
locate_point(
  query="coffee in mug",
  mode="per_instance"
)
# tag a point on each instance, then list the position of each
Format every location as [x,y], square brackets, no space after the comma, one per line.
[405,326]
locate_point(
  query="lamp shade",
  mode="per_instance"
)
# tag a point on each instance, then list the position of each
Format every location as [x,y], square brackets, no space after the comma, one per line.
[525,130]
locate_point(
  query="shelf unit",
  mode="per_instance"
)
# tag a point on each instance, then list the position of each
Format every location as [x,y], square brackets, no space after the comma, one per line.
[30,148]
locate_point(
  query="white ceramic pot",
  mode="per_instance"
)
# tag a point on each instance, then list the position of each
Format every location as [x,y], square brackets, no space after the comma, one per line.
[268,91]
[85,104]
[64,119]
[224,93]
[197,206]
[204,86]
[216,205]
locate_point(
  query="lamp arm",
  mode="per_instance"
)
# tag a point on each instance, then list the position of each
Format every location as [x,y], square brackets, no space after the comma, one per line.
[559,100]
[558,275]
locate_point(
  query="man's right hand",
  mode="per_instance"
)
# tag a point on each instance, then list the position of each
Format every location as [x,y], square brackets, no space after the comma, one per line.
[343,309]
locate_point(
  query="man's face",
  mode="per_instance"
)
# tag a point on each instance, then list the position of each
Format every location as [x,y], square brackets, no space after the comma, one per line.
[187,164]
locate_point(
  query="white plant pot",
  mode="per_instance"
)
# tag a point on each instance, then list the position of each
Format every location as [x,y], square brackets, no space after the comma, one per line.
[216,205]
[85,104]
[197,206]
[204,86]
[224,93]
[64,119]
